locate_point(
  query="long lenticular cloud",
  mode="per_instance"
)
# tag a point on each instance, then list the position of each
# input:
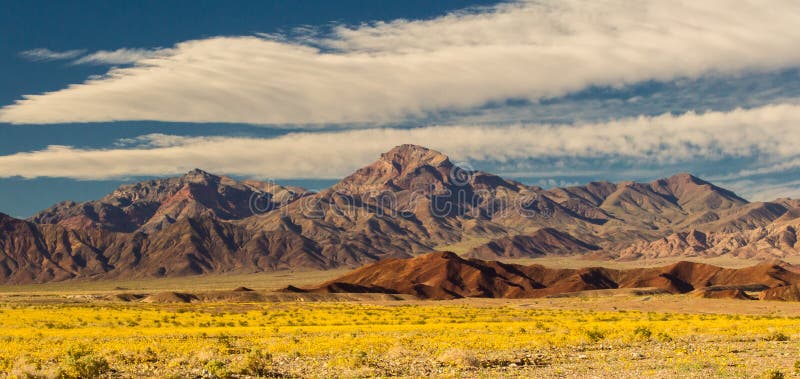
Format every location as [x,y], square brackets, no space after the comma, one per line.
[393,71]
[767,134]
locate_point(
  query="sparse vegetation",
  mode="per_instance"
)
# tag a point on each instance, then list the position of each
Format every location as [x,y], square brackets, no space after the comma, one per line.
[257,363]
[82,363]
[642,333]
[351,339]
[774,374]
[777,336]
[216,369]
[595,335]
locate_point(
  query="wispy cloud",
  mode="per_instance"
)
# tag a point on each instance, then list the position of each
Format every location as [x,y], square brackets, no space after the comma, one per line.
[50,55]
[123,56]
[765,133]
[770,167]
[406,69]
[119,56]
[765,189]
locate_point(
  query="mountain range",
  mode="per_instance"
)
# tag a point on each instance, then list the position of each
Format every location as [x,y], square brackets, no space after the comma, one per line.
[410,201]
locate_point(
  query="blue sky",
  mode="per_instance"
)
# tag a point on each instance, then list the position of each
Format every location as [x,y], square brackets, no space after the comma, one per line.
[548,92]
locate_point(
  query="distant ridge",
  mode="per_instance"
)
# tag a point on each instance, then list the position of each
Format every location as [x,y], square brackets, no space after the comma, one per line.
[153,204]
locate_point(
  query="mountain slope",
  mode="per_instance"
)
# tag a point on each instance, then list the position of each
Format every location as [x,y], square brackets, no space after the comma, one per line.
[151,205]
[544,241]
[31,253]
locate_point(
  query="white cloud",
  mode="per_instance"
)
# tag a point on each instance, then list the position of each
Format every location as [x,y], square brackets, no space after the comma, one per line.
[50,55]
[782,164]
[119,56]
[765,190]
[396,70]
[768,132]
[102,57]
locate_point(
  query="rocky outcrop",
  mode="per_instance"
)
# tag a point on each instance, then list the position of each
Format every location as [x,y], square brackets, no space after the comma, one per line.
[776,240]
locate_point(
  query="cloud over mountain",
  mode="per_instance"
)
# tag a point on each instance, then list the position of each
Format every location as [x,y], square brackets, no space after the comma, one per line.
[396,70]
[767,135]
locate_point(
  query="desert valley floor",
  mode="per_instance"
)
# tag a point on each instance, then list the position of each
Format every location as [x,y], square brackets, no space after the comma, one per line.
[220,326]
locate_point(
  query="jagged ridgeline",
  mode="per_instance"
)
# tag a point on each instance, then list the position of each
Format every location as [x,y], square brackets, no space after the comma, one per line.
[411,201]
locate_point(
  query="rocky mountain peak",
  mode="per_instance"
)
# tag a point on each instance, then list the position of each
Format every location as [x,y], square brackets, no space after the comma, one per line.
[401,168]
[4,218]
[199,176]
[407,155]
[696,193]
[684,178]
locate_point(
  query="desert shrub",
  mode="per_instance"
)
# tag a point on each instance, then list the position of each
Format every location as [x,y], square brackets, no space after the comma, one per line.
[642,333]
[257,363]
[459,358]
[776,336]
[146,355]
[82,362]
[773,374]
[225,340]
[217,369]
[595,335]
[5,364]
[360,359]
[664,337]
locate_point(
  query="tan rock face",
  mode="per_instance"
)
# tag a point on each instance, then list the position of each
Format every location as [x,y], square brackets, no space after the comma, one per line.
[410,201]
[776,240]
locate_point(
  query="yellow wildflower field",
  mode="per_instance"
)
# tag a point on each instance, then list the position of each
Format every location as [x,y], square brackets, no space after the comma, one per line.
[397,339]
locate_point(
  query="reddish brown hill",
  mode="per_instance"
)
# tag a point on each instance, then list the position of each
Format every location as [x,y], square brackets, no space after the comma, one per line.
[785,293]
[448,276]
[436,276]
